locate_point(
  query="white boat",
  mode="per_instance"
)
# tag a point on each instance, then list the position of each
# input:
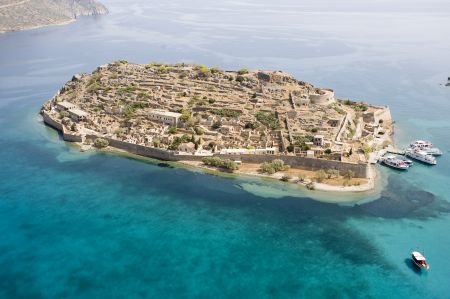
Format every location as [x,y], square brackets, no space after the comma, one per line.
[421,156]
[395,162]
[407,161]
[421,144]
[433,151]
[419,260]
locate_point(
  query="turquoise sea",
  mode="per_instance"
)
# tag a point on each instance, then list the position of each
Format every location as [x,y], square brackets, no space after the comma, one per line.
[95,225]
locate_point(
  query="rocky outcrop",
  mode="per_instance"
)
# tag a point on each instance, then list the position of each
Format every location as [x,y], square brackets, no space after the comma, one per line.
[27,14]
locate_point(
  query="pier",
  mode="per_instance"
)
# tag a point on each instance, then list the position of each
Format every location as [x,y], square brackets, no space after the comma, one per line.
[375,157]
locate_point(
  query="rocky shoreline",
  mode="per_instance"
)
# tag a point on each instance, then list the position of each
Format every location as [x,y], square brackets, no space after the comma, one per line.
[187,113]
[18,15]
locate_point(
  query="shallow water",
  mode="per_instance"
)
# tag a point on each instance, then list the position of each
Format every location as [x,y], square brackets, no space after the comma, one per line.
[94,225]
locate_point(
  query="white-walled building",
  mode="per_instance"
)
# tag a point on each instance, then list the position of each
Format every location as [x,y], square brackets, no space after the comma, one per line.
[77,114]
[64,106]
[165,117]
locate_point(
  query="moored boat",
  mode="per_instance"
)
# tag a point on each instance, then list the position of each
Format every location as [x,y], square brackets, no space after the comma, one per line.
[421,156]
[433,151]
[395,162]
[419,260]
[421,144]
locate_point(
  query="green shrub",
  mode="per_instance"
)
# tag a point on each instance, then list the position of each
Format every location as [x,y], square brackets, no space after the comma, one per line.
[243,71]
[215,70]
[199,131]
[156,142]
[220,163]
[320,176]
[290,148]
[273,167]
[172,130]
[204,71]
[349,174]
[251,125]
[119,132]
[300,141]
[100,143]
[63,114]
[216,125]
[332,173]
[185,115]
[270,120]
[227,113]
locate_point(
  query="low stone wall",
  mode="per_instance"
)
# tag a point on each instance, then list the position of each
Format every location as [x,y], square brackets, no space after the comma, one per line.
[139,149]
[71,138]
[360,170]
[51,122]
[56,125]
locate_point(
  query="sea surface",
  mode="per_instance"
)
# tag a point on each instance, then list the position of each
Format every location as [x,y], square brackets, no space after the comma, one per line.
[96,225]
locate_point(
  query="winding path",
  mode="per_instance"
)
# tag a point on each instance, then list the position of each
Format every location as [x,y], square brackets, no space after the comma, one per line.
[14,4]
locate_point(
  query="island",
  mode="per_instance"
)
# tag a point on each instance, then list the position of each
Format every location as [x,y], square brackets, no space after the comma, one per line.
[263,123]
[29,14]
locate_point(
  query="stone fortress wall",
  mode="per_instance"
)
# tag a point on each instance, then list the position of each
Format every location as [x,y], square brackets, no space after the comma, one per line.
[323,97]
[56,125]
[313,164]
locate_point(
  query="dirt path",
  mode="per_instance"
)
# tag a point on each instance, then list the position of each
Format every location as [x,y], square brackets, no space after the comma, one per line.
[14,4]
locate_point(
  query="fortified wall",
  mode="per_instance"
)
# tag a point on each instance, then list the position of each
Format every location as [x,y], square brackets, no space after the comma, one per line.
[360,170]
[313,164]
[56,125]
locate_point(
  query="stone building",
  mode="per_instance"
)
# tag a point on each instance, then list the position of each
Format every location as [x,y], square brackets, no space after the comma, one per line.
[165,117]
[77,114]
[64,106]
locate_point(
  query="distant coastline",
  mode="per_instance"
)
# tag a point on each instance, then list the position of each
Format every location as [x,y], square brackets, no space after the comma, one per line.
[20,15]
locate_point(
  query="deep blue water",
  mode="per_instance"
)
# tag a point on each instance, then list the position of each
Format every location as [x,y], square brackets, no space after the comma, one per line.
[89,225]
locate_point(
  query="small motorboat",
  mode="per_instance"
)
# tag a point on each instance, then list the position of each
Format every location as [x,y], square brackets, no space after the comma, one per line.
[421,144]
[419,260]
[395,162]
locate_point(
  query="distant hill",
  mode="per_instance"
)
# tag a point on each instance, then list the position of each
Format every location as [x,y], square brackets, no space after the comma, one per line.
[28,14]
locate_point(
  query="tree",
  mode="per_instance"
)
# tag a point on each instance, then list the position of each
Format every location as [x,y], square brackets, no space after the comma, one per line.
[251,125]
[63,114]
[101,143]
[332,173]
[156,142]
[290,148]
[274,166]
[243,71]
[185,115]
[199,131]
[349,174]
[328,151]
[320,176]
[172,130]
[267,167]
[220,163]
[216,125]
